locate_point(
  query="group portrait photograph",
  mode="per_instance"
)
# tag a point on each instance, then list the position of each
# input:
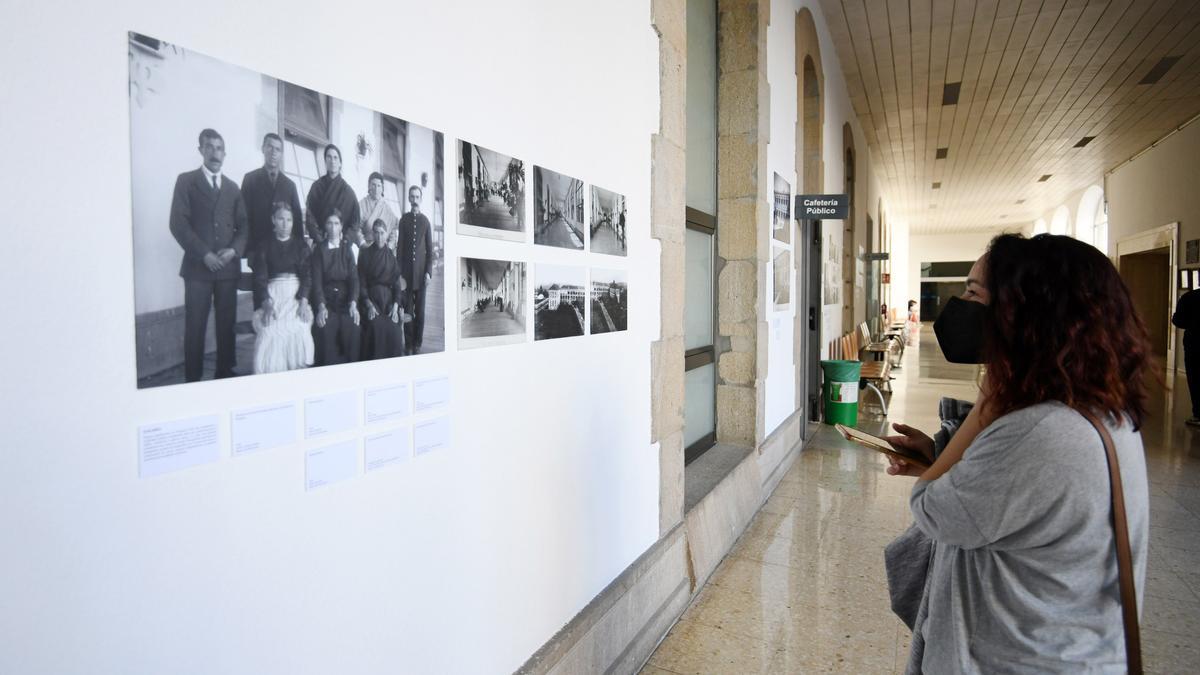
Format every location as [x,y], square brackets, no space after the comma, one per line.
[276,227]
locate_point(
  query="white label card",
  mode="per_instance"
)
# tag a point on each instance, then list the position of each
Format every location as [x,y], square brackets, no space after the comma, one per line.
[431,394]
[171,446]
[386,403]
[432,435]
[330,414]
[263,428]
[330,464]
[386,449]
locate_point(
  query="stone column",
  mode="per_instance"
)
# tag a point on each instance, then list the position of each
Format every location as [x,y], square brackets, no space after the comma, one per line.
[667,206]
[743,218]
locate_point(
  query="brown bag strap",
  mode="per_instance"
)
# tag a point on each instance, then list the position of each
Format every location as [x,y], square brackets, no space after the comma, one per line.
[1133,640]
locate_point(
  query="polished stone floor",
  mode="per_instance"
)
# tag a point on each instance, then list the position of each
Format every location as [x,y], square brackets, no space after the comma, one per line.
[803,590]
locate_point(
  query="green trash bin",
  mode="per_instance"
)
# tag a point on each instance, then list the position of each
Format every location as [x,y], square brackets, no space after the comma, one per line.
[840,391]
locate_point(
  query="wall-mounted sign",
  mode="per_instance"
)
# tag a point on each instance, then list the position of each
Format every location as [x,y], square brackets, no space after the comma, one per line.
[822,207]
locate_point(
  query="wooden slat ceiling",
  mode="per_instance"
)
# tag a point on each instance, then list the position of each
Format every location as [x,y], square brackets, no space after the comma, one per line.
[1037,76]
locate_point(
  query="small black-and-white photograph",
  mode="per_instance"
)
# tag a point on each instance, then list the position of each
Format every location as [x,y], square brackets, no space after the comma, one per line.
[491,194]
[491,302]
[608,222]
[610,301]
[557,209]
[275,227]
[559,301]
[782,265]
[781,221]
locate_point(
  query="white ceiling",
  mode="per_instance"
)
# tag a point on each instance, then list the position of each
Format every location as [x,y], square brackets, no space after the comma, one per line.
[1037,76]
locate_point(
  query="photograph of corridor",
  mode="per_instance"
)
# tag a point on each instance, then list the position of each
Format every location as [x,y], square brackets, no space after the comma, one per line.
[557,209]
[782,272]
[781,213]
[491,302]
[559,301]
[608,222]
[491,194]
[610,301]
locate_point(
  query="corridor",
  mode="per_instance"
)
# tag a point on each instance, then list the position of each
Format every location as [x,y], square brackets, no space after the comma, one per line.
[491,212]
[561,233]
[491,321]
[804,590]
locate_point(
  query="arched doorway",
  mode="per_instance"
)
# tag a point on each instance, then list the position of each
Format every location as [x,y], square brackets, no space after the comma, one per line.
[810,168]
[1039,226]
[1060,223]
[1091,222]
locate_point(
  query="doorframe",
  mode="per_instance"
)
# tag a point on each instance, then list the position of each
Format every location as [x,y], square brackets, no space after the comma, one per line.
[1167,237]
[810,245]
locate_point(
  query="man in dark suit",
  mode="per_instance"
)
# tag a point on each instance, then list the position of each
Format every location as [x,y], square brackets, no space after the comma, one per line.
[263,187]
[208,219]
[415,252]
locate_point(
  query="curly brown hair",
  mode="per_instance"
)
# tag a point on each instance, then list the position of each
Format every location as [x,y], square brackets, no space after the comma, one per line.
[1062,327]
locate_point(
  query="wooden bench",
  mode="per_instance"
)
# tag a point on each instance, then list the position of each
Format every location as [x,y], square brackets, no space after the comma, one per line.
[889,348]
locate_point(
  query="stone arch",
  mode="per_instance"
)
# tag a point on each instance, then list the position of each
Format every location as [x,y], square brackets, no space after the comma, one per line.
[849,229]
[1087,215]
[810,174]
[1060,222]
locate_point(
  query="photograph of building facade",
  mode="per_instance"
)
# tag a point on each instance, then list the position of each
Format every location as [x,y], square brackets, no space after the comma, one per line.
[210,178]
[559,301]
[610,301]
[608,222]
[491,193]
[491,302]
[781,215]
[557,209]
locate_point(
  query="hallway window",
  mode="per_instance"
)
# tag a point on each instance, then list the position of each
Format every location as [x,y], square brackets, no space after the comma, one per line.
[700,378]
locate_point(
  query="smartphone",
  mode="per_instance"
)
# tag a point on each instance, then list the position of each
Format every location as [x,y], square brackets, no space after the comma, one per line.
[881,445]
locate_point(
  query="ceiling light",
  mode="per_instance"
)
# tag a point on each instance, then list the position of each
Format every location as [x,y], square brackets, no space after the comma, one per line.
[1084,141]
[941,153]
[937,186]
[950,93]
[1045,178]
[1164,64]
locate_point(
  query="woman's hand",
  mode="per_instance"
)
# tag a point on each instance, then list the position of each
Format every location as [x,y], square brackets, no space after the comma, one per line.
[322,315]
[913,440]
[304,311]
[354,313]
[899,467]
[372,311]
[268,312]
[394,313]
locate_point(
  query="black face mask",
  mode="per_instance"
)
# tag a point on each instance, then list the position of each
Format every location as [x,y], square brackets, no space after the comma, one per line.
[959,330]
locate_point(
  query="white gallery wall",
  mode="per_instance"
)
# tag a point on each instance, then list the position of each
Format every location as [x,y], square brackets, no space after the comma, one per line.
[924,248]
[465,560]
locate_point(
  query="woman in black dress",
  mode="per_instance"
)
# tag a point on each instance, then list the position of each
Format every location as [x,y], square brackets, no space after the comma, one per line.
[282,315]
[332,192]
[336,330]
[381,289]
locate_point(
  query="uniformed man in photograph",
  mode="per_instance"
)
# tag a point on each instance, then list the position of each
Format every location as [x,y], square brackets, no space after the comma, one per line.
[415,252]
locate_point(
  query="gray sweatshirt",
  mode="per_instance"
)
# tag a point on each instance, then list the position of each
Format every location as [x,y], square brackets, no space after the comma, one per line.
[1024,572]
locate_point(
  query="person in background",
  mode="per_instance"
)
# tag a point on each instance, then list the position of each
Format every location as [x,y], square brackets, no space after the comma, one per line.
[261,189]
[415,254]
[373,207]
[1187,317]
[337,337]
[1024,574]
[208,219]
[331,192]
[282,317]
[912,324]
[381,289]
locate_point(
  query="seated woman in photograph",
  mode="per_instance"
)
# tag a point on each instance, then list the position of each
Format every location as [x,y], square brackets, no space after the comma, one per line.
[282,316]
[381,289]
[1024,574]
[336,330]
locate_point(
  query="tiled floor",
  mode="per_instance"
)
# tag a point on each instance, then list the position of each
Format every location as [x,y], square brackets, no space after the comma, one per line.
[803,590]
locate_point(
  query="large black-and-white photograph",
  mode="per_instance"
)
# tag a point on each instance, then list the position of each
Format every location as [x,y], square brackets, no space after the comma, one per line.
[782,213]
[275,227]
[491,302]
[610,301]
[559,301]
[557,209]
[608,222]
[491,194]
[782,266]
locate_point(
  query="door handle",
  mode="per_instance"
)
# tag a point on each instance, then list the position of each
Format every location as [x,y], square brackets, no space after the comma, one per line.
[812,318]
